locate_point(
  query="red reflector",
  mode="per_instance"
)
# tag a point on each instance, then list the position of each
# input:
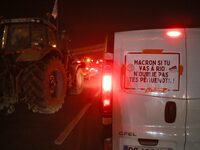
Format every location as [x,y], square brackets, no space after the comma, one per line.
[174,33]
[106,102]
[107,83]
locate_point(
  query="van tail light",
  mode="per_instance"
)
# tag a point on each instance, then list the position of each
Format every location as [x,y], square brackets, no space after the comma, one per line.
[107,82]
[107,89]
[174,33]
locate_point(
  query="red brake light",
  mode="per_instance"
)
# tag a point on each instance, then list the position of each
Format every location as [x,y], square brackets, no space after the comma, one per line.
[107,83]
[54,46]
[78,61]
[107,87]
[88,60]
[106,102]
[107,90]
[174,33]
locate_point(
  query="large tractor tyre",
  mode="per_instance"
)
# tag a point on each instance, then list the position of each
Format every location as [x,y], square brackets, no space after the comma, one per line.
[7,93]
[78,83]
[45,86]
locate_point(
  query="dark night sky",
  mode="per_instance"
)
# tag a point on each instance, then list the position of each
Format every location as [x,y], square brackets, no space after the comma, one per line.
[89,21]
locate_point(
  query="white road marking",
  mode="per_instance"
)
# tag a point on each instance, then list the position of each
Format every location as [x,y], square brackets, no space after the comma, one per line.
[63,135]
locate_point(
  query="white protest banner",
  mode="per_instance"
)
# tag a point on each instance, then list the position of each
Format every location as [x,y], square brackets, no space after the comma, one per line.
[152,71]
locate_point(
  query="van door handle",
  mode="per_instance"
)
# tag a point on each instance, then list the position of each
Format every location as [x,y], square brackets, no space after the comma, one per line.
[170,112]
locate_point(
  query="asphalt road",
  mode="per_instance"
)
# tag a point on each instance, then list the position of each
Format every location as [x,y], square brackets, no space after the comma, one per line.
[77,126]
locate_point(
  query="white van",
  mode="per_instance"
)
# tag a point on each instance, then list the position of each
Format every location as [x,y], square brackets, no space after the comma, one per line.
[155,92]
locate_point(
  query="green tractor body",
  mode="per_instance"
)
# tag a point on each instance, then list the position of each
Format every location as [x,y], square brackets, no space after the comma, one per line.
[35,70]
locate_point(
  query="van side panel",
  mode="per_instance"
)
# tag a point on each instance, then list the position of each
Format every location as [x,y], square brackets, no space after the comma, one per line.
[138,114]
[193,60]
[193,89]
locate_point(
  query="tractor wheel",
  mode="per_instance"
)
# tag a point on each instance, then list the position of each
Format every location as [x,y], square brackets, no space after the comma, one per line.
[44,86]
[78,83]
[7,93]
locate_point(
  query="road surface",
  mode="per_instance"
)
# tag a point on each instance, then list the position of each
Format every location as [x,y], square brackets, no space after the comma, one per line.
[77,126]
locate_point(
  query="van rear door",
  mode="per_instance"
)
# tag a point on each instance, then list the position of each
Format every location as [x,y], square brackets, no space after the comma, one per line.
[149,90]
[193,89]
